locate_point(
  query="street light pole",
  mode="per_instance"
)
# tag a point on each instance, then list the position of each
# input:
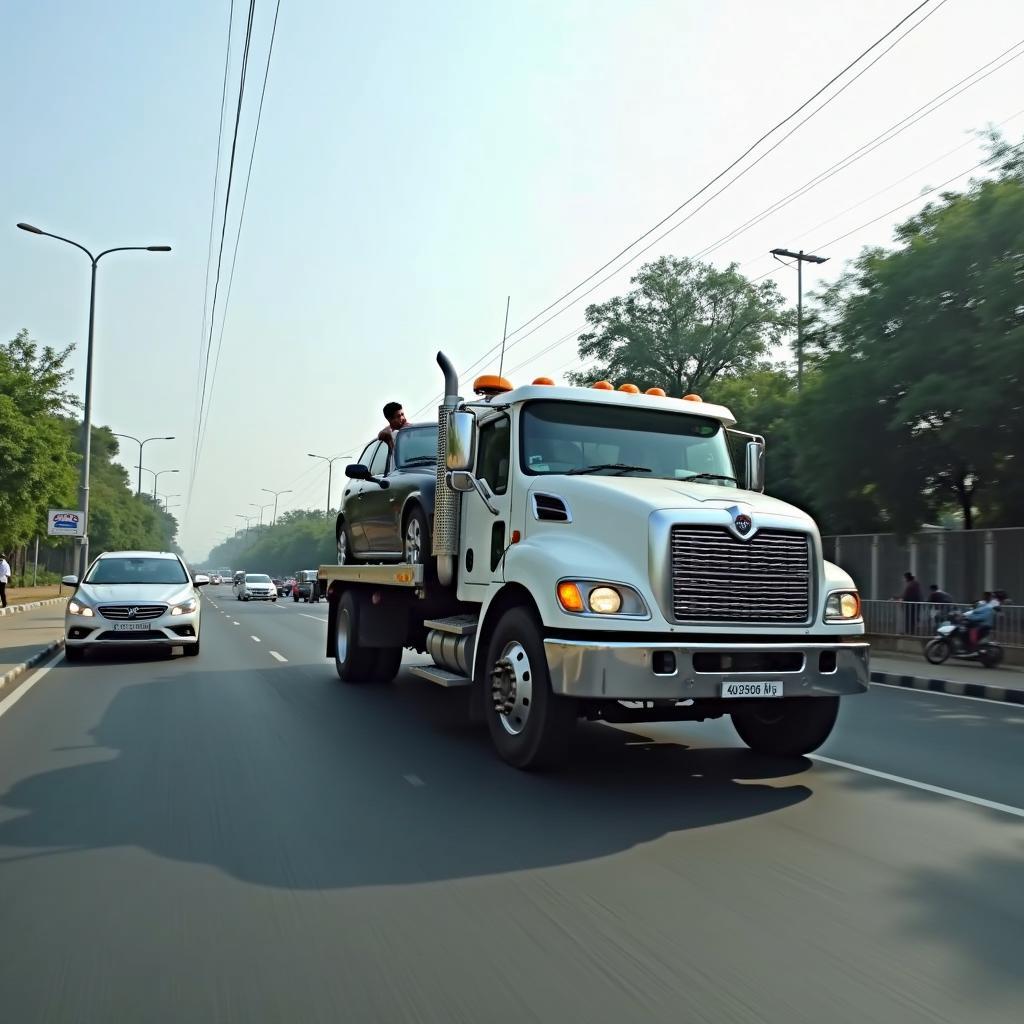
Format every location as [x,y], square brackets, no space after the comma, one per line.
[276,495]
[157,475]
[801,258]
[83,489]
[330,469]
[248,520]
[166,496]
[259,529]
[141,444]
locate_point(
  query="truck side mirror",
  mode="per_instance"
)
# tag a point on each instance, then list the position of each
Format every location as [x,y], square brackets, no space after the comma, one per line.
[356,471]
[460,441]
[460,480]
[755,466]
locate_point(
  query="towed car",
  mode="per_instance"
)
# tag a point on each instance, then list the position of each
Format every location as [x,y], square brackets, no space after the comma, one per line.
[388,503]
[133,598]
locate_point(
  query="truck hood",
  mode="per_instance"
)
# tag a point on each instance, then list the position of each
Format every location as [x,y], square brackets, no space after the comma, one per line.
[620,492]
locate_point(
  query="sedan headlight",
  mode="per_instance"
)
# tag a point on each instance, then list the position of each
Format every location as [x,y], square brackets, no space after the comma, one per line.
[597,598]
[185,607]
[77,608]
[842,606]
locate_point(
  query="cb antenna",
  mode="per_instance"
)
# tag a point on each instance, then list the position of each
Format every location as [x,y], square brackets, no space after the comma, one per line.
[504,336]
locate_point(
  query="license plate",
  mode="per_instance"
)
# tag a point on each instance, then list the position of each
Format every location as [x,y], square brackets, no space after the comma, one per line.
[131,627]
[759,688]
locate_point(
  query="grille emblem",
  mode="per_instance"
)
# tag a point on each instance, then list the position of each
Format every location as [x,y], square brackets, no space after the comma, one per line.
[133,613]
[743,523]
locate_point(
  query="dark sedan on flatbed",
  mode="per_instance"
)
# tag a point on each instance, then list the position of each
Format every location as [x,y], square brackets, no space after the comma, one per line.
[388,502]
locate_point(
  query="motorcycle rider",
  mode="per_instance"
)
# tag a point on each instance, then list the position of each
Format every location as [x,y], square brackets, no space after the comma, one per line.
[980,620]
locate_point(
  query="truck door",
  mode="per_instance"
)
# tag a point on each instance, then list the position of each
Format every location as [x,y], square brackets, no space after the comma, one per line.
[486,536]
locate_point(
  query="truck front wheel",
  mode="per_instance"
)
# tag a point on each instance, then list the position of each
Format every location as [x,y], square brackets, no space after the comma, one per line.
[530,726]
[788,728]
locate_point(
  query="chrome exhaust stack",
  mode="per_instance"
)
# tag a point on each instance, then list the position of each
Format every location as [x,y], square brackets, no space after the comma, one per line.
[446,501]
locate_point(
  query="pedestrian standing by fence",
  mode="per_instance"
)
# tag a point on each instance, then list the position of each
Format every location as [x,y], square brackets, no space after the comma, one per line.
[911,598]
[5,575]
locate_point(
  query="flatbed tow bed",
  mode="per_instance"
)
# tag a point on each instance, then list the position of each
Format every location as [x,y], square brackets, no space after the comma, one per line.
[400,574]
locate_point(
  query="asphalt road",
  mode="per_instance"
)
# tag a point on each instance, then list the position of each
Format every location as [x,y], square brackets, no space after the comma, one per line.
[238,837]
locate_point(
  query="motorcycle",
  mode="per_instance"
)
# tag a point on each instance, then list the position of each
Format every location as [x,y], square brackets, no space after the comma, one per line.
[952,639]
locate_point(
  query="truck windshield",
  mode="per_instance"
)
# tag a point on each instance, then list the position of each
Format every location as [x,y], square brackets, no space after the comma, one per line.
[416,446]
[567,437]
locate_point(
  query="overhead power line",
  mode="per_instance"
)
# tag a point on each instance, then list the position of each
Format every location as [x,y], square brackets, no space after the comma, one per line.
[721,174]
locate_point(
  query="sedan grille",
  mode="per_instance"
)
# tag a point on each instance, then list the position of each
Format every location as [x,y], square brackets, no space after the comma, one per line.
[716,577]
[132,612]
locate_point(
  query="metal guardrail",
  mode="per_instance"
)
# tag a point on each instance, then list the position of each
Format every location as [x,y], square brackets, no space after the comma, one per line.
[903,618]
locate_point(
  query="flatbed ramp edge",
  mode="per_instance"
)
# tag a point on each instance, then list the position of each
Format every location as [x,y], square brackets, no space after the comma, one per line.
[401,574]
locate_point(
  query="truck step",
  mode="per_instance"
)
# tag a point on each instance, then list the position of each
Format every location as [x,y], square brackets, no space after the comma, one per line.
[441,676]
[459,625]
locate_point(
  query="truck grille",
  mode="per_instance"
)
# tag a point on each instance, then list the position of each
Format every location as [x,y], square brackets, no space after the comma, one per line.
[717,577]
[123,611]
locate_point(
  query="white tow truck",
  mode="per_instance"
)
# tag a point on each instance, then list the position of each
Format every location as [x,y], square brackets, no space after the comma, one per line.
[595,556]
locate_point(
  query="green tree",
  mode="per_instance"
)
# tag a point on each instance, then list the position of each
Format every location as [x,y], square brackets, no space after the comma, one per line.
[37,464]
[682,327]
[918,402]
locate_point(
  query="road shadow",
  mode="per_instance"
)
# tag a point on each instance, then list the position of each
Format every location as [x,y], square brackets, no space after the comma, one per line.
[289,779]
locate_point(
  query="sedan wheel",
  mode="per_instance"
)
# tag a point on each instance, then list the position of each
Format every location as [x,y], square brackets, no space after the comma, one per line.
[412,546]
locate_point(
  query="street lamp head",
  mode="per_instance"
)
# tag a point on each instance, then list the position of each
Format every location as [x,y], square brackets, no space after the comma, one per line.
[158,248]
[30,227]
[171,438]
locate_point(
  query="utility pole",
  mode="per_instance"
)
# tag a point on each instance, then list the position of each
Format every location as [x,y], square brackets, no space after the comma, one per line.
[801,258]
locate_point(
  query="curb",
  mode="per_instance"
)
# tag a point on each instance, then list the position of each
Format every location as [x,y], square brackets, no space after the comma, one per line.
[1002,694]
[13,609]
[19,670]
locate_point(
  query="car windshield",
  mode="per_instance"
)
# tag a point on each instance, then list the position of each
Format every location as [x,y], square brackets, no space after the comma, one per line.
[129,570]
[256,577]
[416,446]
[603,440]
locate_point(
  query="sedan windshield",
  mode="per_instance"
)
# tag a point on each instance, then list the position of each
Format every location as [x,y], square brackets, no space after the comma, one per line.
[603,440]
[416,446]
[256,577]
[125,570]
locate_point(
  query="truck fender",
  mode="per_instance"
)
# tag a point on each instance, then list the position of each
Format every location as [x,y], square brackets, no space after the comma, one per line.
[509,596]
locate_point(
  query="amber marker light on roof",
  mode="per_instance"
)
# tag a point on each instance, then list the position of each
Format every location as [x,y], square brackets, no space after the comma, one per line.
[602,385]
[630,389]
[491,384]
[657,392]
[692,398]
[543,380]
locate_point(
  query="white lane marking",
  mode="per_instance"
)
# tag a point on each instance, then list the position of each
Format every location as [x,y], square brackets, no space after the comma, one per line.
[280,657]
[256,638]
[315,617]
[958,696]
[939,790]
[233,623]
[414,780]
[12,698]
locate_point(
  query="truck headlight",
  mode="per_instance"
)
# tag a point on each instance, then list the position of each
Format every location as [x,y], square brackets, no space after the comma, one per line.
[185,607]
[596,597]
[842,606]
[77,608]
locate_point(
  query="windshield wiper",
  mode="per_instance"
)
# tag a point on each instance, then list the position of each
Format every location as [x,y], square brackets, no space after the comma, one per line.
[709,476]
[418,460]
[622,467]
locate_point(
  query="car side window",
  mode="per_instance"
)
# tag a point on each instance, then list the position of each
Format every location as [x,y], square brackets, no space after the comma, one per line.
[379,462]
[364,459]
[494,453]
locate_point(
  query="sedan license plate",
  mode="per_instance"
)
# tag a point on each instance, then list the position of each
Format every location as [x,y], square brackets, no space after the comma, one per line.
[131,627]
[759,688]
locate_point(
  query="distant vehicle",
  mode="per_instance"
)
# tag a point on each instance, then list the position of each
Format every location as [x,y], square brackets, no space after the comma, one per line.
[237,577]
[289,586]
[256,586]
[278,585]
[306,587]
[284,587]
[215,579]
[133,598]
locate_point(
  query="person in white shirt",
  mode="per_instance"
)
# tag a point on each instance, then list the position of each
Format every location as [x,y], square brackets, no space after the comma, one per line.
[5,575]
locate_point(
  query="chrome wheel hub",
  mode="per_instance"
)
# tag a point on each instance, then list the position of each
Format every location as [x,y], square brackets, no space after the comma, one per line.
[413,542]
[512,688]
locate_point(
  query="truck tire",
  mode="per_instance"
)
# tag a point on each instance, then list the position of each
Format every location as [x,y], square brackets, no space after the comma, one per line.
[388,662]
[789,727]
[530,726]
[355,663]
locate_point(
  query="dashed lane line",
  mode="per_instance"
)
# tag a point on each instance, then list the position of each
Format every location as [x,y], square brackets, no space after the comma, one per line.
[414,780]
[280,657]
[256,638]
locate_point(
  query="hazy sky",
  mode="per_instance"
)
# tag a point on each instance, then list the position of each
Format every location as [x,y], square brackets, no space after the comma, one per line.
[418,162]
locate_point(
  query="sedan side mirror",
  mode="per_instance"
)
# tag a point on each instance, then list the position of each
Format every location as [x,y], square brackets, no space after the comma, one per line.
[70,581]
[357,471]
[201,580]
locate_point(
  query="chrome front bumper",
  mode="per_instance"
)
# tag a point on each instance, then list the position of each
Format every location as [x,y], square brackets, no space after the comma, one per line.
[624,670]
